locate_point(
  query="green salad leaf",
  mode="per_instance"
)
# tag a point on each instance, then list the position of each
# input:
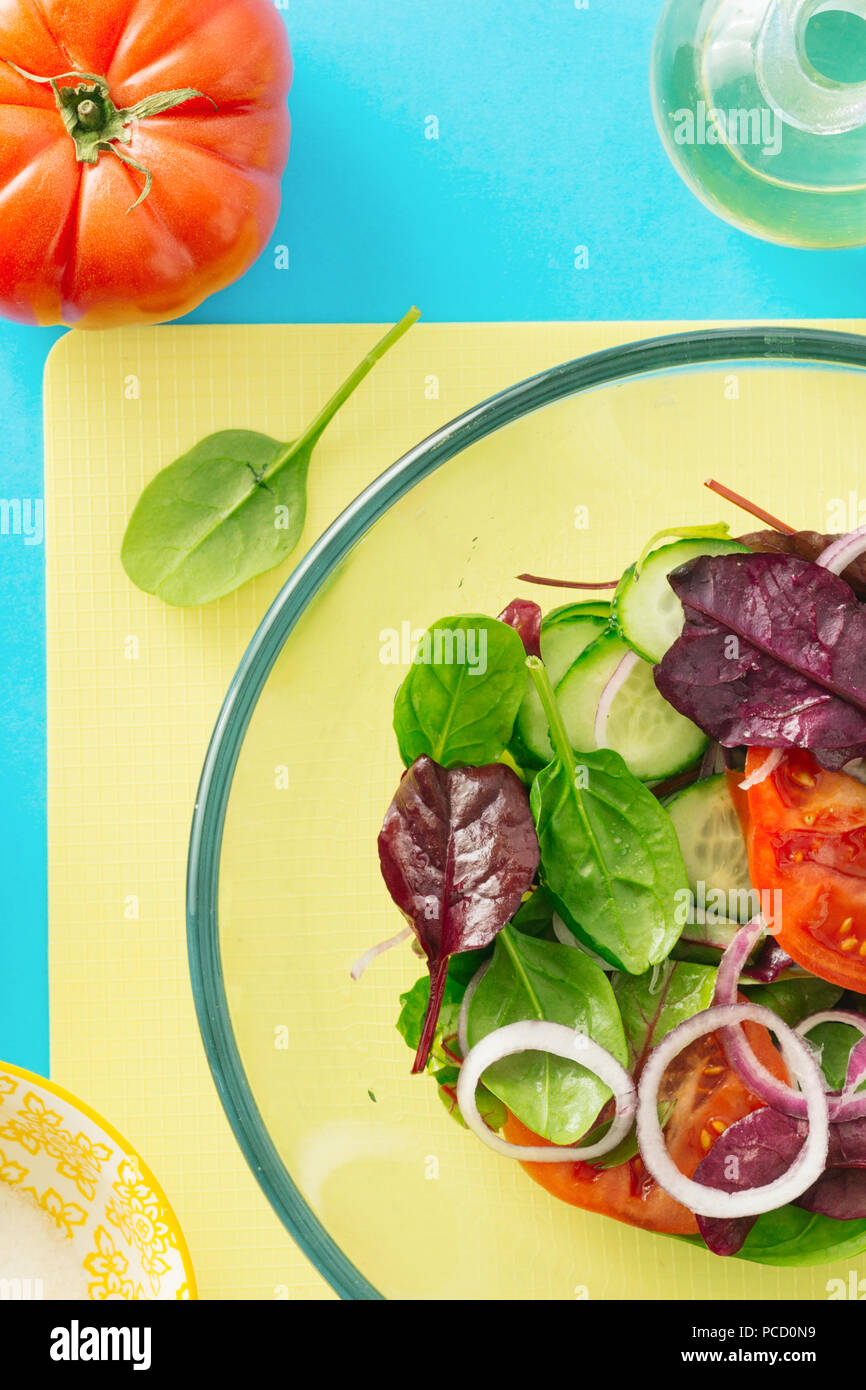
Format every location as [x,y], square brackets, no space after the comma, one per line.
[793,1237]
[534,917]
[232,507]
[533,979]
[610,857]
[460,699]
[654,1003]
[492,1111]
[834,1042]
[794,1000]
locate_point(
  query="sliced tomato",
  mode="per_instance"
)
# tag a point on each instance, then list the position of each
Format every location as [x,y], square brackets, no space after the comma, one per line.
[708,1097]
[807,859]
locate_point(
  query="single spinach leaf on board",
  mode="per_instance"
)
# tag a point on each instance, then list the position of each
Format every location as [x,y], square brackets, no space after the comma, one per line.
[232,507]
[654,1003]
[460,699]
[610,857]
[794,1000]
[532,979]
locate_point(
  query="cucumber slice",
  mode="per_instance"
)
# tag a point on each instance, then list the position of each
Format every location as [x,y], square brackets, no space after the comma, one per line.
[570,612]
[564,635]
[713,932]
[655,741]
[714,850]
[646,610]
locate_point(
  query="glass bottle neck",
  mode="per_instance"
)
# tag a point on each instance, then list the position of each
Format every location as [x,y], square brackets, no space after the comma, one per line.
[789,82]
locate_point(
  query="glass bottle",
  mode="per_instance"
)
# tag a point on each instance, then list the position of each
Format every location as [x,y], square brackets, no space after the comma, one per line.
[761,106]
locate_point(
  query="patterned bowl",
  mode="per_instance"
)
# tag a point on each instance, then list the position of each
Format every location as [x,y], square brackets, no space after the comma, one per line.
[101,1196]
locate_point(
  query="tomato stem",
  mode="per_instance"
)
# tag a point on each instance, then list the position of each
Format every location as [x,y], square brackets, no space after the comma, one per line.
[95,124]
[89,114]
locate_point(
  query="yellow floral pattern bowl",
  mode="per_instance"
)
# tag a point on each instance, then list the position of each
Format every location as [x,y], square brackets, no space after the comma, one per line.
[57,1152]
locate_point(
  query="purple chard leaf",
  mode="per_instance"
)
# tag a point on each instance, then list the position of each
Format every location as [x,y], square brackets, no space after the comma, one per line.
[458,850]
[761,1147]
[772,655]
[525,617]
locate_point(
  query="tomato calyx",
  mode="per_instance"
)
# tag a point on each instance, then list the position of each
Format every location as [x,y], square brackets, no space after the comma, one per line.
[95,124]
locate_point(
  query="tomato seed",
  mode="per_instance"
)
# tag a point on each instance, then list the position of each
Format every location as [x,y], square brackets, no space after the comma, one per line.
[847,925]
[801,777]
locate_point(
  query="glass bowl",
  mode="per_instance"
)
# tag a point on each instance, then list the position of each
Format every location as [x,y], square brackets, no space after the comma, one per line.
[568,474]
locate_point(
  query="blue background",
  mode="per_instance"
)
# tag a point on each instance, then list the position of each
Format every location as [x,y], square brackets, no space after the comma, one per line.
[546,142]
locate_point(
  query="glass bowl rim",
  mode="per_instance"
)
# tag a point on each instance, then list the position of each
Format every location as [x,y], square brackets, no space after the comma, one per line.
[782,344]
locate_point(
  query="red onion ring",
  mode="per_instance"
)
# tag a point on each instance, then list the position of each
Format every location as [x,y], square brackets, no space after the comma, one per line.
[838,556]
[537,1035]
[857,1060]
[856,1066]
[711,1202]
[842,1105]
[608,695]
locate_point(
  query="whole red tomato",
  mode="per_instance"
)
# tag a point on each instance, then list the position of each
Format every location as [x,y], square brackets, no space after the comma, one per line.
[124,198]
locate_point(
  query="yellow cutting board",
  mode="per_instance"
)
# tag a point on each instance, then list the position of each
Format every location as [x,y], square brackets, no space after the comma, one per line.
[134,689]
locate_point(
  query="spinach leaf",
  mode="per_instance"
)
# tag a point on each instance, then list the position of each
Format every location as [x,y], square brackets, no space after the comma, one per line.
[460,699]
[492,1111]
[654,1003]
[794,1000]
[232,507]
[834,1042]
[542,979]
[610,856]
[793,1237]
[534,917]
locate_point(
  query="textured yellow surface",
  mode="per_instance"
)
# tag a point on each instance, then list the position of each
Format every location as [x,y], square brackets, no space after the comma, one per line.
[135,688]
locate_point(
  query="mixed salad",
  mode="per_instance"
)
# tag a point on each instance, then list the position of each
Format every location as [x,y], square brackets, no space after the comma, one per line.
[630,843]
